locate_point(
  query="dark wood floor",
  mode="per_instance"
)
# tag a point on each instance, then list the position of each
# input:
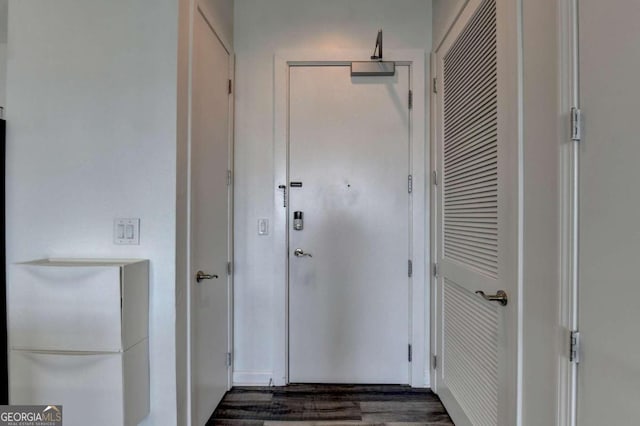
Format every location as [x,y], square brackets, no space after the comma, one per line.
[321,405]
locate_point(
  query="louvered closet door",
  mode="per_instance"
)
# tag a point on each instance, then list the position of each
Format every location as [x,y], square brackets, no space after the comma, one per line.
[477,211]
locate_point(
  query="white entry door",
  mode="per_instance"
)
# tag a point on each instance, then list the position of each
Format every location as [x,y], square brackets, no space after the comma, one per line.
[210,212]
[476,218]
[348,170]
[609,210]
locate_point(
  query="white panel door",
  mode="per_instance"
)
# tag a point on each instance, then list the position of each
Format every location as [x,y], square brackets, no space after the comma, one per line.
[209,221]
[349,300]
[477,213]
[609,209]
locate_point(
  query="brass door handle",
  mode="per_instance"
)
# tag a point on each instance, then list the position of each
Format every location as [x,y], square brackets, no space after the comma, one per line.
[500,297]
[202,276]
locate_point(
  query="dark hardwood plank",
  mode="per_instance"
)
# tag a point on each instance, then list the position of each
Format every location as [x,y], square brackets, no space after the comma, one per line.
[330,405]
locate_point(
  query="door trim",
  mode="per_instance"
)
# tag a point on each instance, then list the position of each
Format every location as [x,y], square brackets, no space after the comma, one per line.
[569,157]
[420,282]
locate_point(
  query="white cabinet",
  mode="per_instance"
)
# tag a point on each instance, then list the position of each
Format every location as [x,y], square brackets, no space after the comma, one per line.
[78,336]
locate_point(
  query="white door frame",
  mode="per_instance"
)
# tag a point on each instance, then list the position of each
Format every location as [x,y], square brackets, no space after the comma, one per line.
[419,226]
[190,280]
[569,156]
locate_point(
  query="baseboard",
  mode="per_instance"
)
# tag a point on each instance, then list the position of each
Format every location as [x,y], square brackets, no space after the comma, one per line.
[252,378]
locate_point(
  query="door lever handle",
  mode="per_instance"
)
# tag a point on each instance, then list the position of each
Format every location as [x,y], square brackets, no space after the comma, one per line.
[300,253]
[202,276]
[500,297]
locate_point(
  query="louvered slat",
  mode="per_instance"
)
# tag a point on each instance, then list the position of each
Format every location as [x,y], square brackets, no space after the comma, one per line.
[470,173]
[471,353]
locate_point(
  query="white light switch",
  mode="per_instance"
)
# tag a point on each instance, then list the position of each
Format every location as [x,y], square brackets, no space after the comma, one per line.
[263,226]
[126,231]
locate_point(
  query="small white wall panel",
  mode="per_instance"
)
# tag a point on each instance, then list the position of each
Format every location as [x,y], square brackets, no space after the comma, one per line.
[471,353]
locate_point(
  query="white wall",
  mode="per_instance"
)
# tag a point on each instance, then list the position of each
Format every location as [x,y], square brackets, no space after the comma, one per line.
[544,133]
[262,28]
[444,13]
[3,74]
[91,110]
[220,14]
[4,6]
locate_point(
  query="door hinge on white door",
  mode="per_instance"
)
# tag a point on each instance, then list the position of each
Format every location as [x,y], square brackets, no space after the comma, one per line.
[228,359]
[574,347]
[410,269]
[410,184]
[229,177]
[410,99]
[434,361]
[410,357]
[435,270]
[435,85]
[434,176]
[230,86]
[576,124]
[228,268]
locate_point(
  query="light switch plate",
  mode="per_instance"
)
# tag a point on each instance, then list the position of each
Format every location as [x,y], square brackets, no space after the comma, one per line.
[263,226]
[126,231]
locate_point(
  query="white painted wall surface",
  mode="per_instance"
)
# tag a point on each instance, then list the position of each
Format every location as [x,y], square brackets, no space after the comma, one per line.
[261,28]
[92,136]
[220,15]
[4,6]
[3,74]
[444,13]
[544,134]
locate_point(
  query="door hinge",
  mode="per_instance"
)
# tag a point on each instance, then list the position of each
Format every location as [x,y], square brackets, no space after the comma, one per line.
[410,270]
[434,176]
[228,359]
[435,270]
[434,361]
[574,347]
[576,124]
[229,177]
[410,184]
[230,86]
[228,268]
[410,99]
[435,85]
[410,354]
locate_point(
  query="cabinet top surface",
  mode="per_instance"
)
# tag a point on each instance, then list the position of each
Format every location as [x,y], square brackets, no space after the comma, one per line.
[82,262]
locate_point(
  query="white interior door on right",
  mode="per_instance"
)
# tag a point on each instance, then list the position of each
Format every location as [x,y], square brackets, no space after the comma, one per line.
[477,215]
[609,209]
